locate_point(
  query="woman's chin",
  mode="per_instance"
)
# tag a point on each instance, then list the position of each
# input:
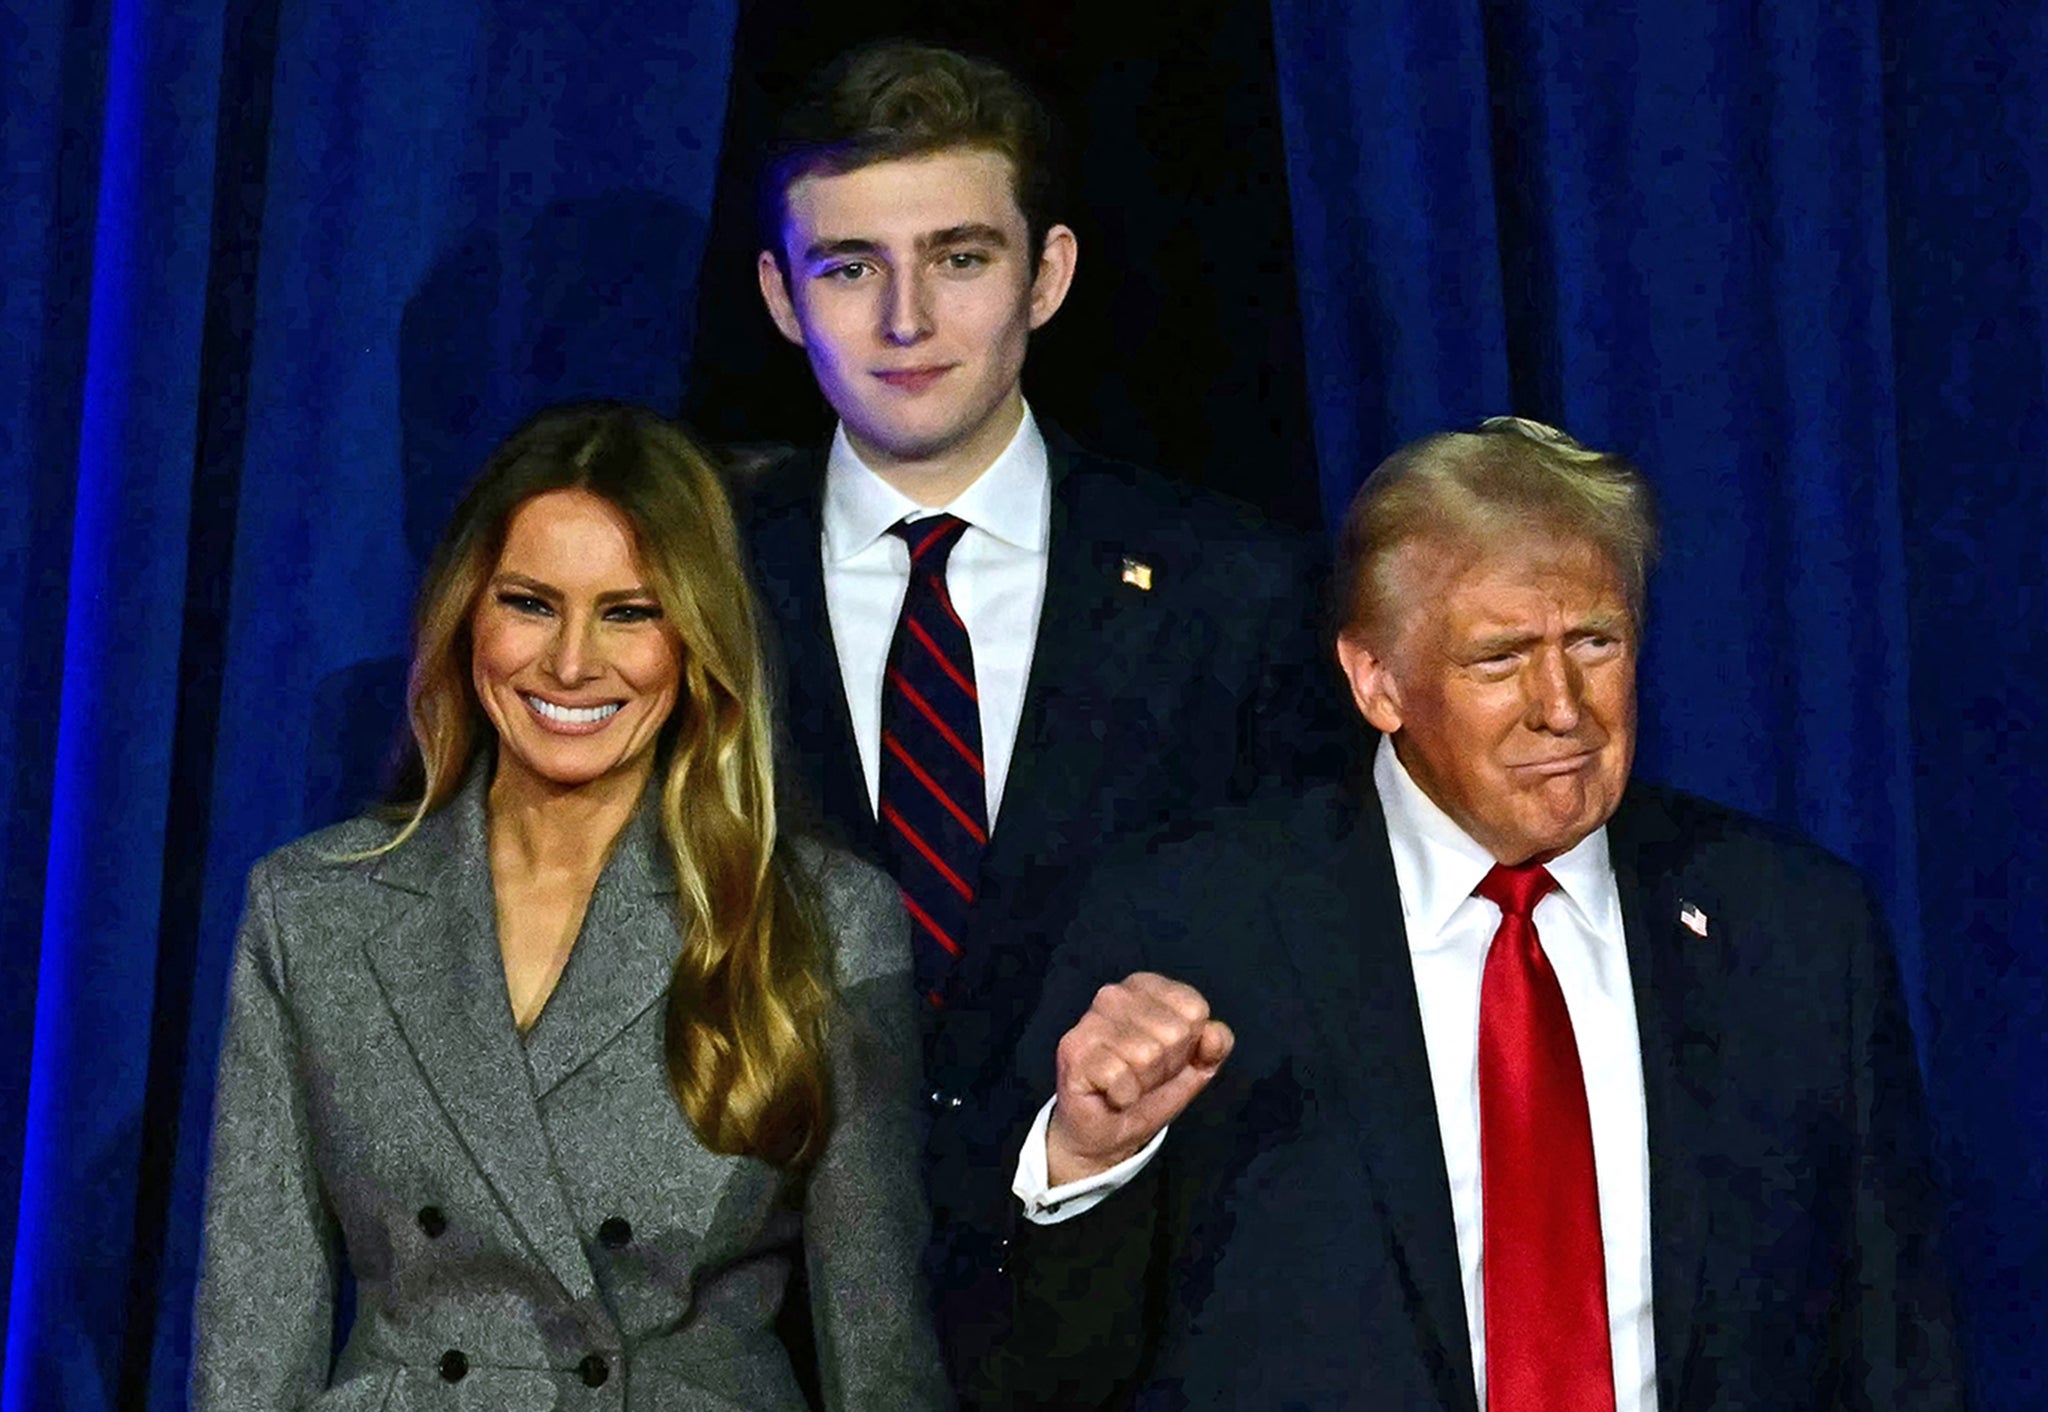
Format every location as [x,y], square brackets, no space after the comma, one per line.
[559,763]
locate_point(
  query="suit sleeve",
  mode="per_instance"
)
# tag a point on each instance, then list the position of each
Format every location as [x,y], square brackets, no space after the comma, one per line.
[865,1219]
[1899,1330]
[1084,1313]
[263,1318]
[1297,727]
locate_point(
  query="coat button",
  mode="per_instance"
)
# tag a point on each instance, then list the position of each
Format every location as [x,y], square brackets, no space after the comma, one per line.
[594,1370]
[432,1221]
[454,1366]
[616,1232]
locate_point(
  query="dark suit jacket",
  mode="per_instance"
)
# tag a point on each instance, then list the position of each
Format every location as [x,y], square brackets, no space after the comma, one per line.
[1143,706]
[535,1224]
[1293,1245]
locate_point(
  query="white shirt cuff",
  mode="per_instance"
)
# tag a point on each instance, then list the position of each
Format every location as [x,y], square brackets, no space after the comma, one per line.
[1048,1206]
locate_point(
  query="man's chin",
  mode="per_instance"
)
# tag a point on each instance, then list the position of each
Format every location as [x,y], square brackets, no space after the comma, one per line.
[908,445]
[1557,821]
[1562,833]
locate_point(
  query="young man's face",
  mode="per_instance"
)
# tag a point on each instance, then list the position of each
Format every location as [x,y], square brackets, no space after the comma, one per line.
[913,292]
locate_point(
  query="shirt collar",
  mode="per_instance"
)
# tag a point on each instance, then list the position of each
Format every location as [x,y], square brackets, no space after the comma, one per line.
[1011,500]
[1437,864]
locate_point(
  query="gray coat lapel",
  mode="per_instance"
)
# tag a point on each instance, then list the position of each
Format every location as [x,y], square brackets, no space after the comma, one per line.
[1678,978]
[622,960]
[438,965]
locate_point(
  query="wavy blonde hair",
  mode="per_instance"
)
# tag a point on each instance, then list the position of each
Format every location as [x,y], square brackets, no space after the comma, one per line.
[747,1001]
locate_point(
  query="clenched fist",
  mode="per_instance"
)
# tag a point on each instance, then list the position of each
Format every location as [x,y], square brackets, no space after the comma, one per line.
[1145,1048]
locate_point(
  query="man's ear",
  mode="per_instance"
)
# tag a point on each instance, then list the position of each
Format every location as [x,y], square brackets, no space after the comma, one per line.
[1055,274]
[775,294]
[1373,683]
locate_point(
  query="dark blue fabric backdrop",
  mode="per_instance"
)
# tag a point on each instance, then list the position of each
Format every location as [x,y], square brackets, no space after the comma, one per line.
[1791,257]
[274,276]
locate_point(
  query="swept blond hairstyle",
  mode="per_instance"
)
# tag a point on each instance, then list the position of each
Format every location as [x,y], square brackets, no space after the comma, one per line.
[747,1002]
[1482,486]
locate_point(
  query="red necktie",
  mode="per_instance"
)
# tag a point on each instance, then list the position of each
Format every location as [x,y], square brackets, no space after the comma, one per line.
[1547,1345]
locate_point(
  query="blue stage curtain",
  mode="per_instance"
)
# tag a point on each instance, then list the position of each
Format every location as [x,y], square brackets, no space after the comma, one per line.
[275,276]
[1790,258]
[1967,127]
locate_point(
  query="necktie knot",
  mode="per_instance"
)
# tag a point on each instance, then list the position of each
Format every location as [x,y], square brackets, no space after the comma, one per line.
[931,541]
[1517,890]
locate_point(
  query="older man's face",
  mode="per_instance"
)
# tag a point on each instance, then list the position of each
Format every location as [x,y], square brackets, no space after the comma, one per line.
[1509,687]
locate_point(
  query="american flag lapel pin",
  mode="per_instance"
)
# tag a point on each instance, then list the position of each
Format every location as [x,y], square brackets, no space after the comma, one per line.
[1138,574]
[1692,918]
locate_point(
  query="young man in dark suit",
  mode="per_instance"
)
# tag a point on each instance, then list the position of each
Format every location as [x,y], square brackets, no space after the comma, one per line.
[1001,652]
[1544,1089]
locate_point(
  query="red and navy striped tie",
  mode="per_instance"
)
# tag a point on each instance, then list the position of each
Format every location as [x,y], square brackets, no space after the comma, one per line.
[934,794]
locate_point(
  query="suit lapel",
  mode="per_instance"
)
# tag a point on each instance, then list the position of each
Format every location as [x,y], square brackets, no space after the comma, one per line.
[1343,920]
[1077,671]
[1677,978]
[438,965]
[789,559]
[621,963]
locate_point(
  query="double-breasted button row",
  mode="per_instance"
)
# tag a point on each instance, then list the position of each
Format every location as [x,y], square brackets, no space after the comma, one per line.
[593,1369]
[616,1232]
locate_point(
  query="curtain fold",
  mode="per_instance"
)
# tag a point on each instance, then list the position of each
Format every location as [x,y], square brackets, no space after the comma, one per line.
[1966,119]
[1384,109]
[113,693]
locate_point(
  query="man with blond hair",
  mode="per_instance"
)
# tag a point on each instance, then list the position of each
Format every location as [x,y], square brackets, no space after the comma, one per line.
[1529,1087]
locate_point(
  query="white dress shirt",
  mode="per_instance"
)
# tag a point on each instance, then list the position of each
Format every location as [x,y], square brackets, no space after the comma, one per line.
[1449,931]
[1579,924]
[995,577]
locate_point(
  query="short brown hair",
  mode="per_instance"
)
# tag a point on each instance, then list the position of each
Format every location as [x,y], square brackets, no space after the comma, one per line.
[884,102]
[1479,486]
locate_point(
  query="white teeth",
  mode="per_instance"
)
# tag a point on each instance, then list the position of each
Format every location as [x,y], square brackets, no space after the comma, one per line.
[572,715]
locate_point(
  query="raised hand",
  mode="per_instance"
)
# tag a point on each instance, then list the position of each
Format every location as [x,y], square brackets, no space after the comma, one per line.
[1145,1048]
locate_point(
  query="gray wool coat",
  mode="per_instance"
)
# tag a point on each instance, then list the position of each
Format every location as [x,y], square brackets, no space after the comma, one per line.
[532,1223]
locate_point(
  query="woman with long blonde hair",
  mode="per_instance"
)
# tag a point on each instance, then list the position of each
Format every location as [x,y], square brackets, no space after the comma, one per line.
[572,1059]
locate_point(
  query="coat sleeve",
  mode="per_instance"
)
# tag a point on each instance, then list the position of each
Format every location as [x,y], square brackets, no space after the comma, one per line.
[263,1318]
[865,1217]
[1898,1330]
[1085,1294]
